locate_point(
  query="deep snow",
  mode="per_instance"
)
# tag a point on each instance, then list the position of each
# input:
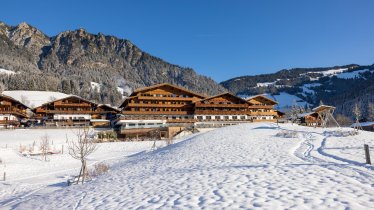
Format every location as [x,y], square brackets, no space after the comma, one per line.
[243,166]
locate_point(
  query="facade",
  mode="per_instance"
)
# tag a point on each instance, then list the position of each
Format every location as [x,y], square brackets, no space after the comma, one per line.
[161,102]
[221,109]
[164,105]
[71,111]
[103,115]
[262,109]
[159,107]
[12,112]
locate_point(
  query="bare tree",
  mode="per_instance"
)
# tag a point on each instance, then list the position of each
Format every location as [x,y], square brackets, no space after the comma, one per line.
[44,146]
[343,120]
[357,114]
[80,149]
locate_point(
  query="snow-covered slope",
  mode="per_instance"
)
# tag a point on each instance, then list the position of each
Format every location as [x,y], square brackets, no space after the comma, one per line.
[34,98]
[286,100]
[244,166]
[351,75]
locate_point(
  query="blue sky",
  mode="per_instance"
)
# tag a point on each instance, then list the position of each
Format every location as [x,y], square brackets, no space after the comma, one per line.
[219,38]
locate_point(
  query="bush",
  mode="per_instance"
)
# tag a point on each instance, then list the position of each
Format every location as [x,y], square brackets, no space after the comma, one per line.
[287,134]
[99,169]
[339,133]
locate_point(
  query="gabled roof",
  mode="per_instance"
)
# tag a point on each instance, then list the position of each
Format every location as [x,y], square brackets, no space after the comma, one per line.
[109,107]
[323,107]
[70,96]
[126,100]
[222,94]
[14,100]
[262,96]
[306,114]
[166,84]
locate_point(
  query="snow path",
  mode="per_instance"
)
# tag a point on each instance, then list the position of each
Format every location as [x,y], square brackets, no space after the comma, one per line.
[316,142]
[244,166]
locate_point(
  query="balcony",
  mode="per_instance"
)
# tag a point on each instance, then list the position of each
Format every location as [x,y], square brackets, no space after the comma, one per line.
[9,122]
[156,112]
[60,104]
[243,106]
[13,111]
[157,105]
[70,112]
[261,107]
[166,98]
[272,113]
[220,112]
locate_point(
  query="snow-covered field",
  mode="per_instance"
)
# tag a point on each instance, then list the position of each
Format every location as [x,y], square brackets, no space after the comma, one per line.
[245,166]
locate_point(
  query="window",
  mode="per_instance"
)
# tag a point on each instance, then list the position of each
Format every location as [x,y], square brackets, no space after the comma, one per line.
[208,117]
[234,117]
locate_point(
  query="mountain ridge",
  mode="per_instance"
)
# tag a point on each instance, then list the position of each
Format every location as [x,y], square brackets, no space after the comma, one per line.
[74,58]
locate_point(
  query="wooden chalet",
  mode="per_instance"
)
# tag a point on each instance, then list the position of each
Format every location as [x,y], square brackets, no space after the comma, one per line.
[262,109]
[161,102]
[162,108]
[309,119]
[71,111]
[12,112]
[222,107]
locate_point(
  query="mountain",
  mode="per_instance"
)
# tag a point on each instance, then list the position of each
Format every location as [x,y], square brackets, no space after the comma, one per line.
[341,86]
[95,66]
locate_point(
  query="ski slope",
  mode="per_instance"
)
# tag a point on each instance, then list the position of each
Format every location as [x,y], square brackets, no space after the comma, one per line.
[239,167]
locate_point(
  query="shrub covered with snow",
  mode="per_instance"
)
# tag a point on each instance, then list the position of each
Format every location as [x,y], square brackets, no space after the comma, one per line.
[287,134]
[339,133]
[99,169]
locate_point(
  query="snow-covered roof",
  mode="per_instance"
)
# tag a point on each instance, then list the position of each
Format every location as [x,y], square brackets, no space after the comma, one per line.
[34,98]
[305,114]
[323,107]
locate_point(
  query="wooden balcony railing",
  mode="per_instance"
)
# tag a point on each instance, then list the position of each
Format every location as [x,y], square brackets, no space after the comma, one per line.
[166,98]
[263,113]
[261,107]
[243,106]
[9,122]
[13,111]
[157,105]
[70,112]
[181,120]
[72,104]
[156,112]
[220,112]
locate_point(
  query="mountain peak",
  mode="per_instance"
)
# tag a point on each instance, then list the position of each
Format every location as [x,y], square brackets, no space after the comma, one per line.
[24,25]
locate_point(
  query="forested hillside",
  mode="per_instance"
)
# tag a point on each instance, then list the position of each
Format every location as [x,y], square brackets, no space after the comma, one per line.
[97,67]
